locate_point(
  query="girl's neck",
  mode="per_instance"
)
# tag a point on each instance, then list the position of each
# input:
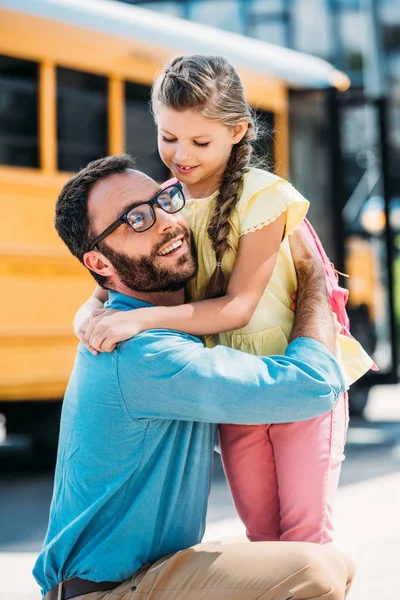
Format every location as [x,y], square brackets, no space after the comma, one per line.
[199,190]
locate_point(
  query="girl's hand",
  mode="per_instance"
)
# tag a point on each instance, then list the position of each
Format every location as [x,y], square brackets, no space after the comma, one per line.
[110,326]
[81,332]
[83,317]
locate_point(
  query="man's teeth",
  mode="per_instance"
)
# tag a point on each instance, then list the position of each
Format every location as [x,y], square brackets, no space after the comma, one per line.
[170,248]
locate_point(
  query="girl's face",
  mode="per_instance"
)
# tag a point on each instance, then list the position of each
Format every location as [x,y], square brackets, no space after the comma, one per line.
[196,149]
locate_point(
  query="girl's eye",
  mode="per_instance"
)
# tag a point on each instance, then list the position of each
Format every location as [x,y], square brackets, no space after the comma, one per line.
[203,145]
[168,140]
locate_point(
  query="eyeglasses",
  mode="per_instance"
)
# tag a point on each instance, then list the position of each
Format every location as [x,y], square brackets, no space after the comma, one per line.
[142,216]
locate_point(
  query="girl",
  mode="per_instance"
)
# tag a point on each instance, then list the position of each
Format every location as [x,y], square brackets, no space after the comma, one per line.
[283,478]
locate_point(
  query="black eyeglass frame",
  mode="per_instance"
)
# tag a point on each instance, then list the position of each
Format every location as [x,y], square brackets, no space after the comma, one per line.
[124,218]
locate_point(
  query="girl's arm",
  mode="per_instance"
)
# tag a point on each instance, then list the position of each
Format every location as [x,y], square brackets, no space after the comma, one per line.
[255,262]
[85,312]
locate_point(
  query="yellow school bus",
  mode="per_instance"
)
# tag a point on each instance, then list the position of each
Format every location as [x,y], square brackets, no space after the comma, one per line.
[75,79]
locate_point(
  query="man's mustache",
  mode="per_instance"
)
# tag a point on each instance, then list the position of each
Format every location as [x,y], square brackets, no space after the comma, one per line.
[171,236]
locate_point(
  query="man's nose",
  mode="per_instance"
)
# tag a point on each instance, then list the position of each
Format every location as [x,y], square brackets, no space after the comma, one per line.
[164,220]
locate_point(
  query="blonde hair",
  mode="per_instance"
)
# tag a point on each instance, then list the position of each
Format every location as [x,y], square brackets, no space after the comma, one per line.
[210,85]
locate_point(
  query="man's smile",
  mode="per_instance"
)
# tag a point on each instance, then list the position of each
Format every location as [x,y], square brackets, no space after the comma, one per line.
[174,247]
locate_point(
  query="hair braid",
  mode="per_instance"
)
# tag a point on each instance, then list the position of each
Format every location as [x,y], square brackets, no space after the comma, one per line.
[219,227]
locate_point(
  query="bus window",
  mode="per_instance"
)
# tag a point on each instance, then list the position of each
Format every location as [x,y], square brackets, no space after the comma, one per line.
[18,112]
[141,136]
[81,118]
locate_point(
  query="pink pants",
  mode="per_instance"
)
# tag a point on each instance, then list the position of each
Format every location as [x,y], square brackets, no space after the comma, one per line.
[284,478]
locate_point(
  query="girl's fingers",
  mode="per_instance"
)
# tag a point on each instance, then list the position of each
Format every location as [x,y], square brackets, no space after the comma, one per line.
[96,319]
[93,350]
[97,335]
[98,311]
[108,345]
[97,342]
[80,332]
[90,348]
[91,328]
[103,341]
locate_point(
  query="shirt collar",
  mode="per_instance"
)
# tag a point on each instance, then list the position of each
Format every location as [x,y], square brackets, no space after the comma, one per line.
[120,301]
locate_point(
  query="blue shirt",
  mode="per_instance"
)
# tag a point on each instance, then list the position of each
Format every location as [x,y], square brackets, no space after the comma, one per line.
[137,436]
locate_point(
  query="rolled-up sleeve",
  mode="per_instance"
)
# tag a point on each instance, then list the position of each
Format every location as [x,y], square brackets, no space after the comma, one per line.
[169,375]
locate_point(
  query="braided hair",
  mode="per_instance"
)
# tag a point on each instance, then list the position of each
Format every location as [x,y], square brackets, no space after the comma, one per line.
[210,85]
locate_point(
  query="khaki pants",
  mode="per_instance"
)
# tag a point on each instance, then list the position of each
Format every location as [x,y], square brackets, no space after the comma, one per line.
[243,571]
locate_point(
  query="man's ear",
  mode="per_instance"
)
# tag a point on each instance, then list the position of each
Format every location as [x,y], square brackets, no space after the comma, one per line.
[239,131]
[97,262]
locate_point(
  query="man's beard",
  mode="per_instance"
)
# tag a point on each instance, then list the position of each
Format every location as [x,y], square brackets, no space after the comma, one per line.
[145,275]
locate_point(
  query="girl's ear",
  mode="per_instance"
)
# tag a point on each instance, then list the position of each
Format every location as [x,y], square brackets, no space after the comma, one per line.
[95,261]
[239,131]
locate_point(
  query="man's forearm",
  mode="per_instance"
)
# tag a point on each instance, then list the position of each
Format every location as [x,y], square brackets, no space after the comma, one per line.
[313,313]
[222,385]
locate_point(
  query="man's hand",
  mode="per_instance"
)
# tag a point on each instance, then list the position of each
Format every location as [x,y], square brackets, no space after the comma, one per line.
[313,311]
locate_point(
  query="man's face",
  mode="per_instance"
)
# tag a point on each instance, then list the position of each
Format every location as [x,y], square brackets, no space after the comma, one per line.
[143,262]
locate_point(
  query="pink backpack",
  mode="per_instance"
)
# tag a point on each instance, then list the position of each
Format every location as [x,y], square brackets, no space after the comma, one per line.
[337,295]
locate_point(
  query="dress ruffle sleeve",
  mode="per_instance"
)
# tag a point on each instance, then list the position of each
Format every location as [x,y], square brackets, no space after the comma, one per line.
[268,203]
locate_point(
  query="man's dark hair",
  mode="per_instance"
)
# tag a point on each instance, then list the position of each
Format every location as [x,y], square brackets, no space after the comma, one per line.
[71,220]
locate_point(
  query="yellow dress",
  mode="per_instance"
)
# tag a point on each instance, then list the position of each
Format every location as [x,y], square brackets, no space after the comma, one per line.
[264,198]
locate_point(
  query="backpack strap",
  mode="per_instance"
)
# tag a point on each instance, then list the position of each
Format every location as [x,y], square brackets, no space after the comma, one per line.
[337,295]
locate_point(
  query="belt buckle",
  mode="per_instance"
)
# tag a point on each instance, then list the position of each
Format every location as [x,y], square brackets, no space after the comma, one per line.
[59,591]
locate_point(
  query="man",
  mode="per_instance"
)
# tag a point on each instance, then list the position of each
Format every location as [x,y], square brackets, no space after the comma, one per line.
[138,426]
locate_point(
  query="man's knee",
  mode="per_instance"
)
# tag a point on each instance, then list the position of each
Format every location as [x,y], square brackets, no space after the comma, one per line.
[325,574]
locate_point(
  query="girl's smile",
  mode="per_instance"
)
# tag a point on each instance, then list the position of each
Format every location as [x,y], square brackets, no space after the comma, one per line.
[184,170]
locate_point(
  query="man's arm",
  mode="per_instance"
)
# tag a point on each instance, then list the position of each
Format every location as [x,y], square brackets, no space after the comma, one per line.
[313,314]
[168,375]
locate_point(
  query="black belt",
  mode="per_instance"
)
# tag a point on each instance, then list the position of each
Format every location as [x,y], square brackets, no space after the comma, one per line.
[77,587]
